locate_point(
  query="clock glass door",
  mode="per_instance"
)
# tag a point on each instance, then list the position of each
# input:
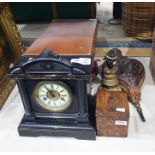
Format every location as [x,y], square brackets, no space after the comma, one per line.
[54,96]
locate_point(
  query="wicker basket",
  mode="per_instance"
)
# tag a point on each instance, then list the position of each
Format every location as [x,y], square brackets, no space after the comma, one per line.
[139,19]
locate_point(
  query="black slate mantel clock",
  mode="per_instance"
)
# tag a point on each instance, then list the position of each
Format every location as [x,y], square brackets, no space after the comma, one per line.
[55,92]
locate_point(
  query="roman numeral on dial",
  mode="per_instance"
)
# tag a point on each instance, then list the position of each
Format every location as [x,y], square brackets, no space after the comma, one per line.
[53,95]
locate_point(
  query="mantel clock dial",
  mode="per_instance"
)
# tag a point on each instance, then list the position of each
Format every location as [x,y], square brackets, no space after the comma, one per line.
[54,96]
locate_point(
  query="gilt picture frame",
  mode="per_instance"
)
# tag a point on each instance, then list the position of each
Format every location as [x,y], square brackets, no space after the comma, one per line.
[11,47]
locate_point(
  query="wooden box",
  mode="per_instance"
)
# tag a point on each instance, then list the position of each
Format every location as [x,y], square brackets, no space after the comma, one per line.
[66,37]
[112,113]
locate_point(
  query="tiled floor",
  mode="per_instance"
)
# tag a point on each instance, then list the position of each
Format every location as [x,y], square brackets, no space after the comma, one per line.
[104,13]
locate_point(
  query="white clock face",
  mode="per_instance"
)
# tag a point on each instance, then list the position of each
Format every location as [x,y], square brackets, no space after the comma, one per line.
[53,96]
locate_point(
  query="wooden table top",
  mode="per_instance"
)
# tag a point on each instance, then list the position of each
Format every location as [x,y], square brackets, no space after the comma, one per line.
[66,37]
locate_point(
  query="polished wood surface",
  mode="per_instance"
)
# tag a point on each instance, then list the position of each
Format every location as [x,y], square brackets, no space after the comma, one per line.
[107,102]
[66,37]
[112,109]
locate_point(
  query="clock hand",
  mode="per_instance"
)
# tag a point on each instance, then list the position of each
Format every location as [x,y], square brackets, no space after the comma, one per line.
[49,91]
[46,88]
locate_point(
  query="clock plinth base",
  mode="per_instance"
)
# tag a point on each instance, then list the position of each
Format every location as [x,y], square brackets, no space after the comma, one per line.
[34,129]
